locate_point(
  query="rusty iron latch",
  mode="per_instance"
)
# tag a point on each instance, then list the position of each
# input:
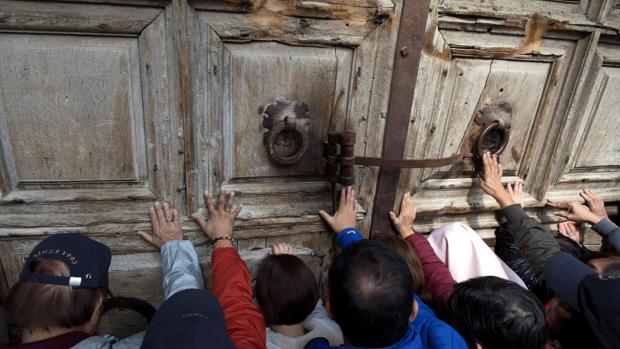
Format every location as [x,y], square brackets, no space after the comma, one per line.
[341,160]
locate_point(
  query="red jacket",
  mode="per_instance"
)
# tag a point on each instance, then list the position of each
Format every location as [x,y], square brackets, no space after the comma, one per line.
[438,278]
[232,286]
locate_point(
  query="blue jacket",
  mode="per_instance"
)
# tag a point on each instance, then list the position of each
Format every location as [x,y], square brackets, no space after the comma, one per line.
[425,332]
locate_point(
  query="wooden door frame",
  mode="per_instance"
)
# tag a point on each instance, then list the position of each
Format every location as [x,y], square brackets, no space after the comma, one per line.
[404,75]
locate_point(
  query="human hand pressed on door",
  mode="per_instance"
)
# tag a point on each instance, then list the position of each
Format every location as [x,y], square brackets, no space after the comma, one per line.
[345,214]
[491,180]
[219,226]
[165,223]
[594,203]
[575,211]
[515,190]
[281,248]
[405,219]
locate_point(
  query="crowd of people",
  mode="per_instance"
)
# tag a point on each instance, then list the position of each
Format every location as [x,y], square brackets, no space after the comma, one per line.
[450,290]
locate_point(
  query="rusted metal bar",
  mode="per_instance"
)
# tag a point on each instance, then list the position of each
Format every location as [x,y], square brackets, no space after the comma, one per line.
[402,163]
[404,75]
[341,161]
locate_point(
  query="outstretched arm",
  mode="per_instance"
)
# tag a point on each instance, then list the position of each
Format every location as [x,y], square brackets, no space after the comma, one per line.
[179,261]
[436,273]
[536,242]
[343,221]
[230,279]
[605,227]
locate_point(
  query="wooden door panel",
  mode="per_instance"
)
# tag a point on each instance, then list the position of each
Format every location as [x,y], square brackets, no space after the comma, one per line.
[261,72]
[246,57]
[81,115]
[62,123]
[535,72]
[592,159]
[91,131]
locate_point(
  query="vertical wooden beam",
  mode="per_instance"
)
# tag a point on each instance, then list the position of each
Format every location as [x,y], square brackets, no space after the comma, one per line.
[404,75]
[180,9]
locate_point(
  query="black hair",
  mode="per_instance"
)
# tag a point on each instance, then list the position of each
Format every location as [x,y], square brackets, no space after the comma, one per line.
[286,289]
[371,294]
[497,313]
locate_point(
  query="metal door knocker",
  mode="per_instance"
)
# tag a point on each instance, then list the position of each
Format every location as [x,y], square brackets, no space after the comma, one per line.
[287,137]
[495,125]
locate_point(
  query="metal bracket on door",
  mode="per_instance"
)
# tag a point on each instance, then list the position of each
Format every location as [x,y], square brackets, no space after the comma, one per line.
[341,160]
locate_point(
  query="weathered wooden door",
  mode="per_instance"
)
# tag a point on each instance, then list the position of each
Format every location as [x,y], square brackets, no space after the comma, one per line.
[107,106]
[552,68]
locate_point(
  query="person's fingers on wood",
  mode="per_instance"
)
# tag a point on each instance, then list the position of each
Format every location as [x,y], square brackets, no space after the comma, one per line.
[146,236]
[557,204]
[326,216]
[343,198]
[519,187]
[200,220]
[153,217]
[285,248]
[175,216]
[229,202]
[352,200]
[486,161]
[167,212]
[161,217]
[221,199]
[236,211]
[393,217]
[208,202]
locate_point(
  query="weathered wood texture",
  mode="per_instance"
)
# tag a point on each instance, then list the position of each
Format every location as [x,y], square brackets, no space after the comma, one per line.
[108,105]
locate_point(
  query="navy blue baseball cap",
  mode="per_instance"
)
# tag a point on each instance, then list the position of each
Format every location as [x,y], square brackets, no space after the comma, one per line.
[88,261]
[189,319]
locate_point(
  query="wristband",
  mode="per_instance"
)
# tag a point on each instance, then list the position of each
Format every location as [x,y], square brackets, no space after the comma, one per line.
[229,238]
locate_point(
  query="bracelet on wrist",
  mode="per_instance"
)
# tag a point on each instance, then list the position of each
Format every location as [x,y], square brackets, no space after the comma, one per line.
[226,237]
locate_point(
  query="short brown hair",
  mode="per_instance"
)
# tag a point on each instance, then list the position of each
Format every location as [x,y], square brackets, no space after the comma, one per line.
[401,247]
[32,305]
[286,289]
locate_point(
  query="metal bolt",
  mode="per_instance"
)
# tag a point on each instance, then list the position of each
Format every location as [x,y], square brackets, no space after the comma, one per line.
[404,51]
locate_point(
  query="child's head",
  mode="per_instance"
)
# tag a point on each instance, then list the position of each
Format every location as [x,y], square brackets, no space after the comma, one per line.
[401,247]
[37,306]
[286,289]
[62,285]
[497,313]
[371,294]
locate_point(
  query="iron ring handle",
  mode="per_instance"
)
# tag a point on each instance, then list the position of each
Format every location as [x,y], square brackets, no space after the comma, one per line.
[279,128]
[503,141]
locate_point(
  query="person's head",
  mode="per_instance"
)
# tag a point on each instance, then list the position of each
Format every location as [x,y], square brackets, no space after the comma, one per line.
[591,290]
[607,263]
[188,319]
[286,289]
[62,285]
[371,294]
[401,247]
[497,313]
